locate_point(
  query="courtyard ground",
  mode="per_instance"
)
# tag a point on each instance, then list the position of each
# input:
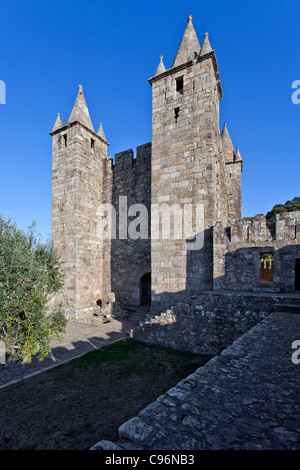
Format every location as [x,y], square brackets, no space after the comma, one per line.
[78,403]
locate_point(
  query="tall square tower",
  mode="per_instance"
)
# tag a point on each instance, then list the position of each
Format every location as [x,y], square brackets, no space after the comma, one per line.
[187,165]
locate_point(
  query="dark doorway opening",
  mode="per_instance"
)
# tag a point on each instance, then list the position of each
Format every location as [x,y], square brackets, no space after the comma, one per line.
[297,274]
[145,289]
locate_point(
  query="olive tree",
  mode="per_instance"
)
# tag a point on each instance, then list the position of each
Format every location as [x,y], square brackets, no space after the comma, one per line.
[30,273]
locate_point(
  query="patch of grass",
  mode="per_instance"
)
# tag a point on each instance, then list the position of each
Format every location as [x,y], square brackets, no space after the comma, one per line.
[130,355]
[75,405]
[117,353]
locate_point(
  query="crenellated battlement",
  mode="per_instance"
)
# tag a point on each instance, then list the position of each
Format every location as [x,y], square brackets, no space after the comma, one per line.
[238,250]
[255,230]
[288,226]
[125,161]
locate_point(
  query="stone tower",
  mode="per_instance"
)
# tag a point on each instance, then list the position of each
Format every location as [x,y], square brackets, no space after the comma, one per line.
[81,176]
[187,164]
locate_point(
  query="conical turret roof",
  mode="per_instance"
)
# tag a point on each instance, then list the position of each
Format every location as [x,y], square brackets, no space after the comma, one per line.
[58,124]
[189,47]
[161,67]
[80,111]
[206,47]
[101,132]
[238,156]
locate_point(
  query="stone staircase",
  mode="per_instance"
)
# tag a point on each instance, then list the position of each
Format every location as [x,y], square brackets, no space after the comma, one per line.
[266,290]
[287,307]
[141,314]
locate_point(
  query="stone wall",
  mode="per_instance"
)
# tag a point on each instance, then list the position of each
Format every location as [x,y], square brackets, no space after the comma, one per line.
[130,258]
[206,323]
[238,248]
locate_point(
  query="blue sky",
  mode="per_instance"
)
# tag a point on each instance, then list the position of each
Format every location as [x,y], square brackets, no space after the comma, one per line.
[112,48]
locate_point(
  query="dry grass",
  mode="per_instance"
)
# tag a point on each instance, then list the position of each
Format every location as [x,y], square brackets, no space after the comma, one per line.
[75,405]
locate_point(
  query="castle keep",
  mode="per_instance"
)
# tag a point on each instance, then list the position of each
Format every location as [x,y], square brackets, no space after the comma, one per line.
[189,161]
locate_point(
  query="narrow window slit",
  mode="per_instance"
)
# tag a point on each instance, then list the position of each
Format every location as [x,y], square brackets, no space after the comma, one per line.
[179,85]
[176,114]
[266,268]
[228,233]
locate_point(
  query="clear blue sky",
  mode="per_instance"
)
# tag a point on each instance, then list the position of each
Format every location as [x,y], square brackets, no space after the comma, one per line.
[112,48]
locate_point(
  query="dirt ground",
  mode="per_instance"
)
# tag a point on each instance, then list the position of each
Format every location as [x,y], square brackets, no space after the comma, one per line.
[75,405]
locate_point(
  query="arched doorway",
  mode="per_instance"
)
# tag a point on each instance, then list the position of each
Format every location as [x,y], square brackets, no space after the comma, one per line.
[145,289]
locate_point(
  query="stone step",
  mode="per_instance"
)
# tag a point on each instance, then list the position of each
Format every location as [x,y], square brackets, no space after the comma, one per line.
[138,316]
[141,313]
[285,307]
[271,290]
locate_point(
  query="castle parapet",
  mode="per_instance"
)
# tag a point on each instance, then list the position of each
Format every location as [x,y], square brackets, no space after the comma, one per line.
[249,230]
[125,161]
[238,252]
[288,226]
[143,154]
[255,230]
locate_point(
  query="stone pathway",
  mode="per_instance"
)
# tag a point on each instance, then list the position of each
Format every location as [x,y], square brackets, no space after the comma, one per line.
[78,339]
[248,397]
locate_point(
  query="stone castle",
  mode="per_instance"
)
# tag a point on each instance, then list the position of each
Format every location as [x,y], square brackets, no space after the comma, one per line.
[189,161]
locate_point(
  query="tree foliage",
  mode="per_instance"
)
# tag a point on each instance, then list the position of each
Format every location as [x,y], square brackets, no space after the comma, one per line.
[289,206]
[30,272]
[266,257]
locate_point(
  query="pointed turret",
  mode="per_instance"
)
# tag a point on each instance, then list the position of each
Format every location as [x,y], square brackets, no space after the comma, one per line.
[101,132]
[189,47]
[206,47]
[228,149]
[233,171]
[161,68]
[58,124]
[238,156]
[80,111]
